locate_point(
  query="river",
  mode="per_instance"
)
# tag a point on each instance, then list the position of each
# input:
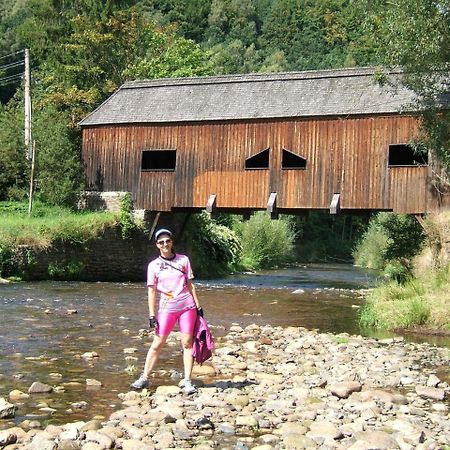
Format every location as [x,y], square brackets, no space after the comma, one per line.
[47,326]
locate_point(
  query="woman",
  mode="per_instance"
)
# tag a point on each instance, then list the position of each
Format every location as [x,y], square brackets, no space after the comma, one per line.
[170,275]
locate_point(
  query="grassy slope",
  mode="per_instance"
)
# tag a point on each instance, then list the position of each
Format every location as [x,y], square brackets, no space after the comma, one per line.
[48,224]
[424,300]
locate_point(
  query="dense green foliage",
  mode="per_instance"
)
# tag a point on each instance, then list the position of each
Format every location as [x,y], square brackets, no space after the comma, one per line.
[213,248]
[389,243]
[328,238]
[266,243]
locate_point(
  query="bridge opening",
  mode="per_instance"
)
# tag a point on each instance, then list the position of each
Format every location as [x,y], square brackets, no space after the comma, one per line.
[290,160]
[258,161]
[406,155]
[154,160]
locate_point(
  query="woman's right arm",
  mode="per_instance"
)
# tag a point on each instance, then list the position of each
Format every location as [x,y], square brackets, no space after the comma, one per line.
[152,301]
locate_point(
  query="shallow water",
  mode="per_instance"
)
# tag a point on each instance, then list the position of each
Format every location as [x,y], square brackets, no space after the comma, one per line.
[40,338]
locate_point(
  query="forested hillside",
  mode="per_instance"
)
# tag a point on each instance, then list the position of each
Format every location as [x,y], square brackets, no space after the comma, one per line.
[82,50]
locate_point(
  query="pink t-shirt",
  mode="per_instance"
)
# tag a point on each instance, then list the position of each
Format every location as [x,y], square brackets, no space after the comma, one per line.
[170,278]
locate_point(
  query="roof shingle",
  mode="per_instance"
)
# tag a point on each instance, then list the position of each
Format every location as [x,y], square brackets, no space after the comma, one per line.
[252,96]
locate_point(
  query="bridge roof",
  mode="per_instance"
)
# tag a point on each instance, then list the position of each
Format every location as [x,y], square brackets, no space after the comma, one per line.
[253,96]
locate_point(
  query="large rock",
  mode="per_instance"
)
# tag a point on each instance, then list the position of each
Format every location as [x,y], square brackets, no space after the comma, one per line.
[379,440]
[343,390]
[7,410]
[7,437]
[298,441]
[17,395]
[40,388]
[430,392]
[101,439]
[134,444]
[323,430]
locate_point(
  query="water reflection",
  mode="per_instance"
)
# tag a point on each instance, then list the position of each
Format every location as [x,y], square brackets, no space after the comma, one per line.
[47,326]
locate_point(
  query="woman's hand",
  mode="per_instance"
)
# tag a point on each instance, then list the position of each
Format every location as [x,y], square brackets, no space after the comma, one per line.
[153,323]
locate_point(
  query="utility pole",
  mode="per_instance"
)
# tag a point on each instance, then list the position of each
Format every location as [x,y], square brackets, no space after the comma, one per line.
[30,199]
[28,140]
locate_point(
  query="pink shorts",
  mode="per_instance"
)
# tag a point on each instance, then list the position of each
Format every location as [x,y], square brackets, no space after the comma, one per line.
[186,321]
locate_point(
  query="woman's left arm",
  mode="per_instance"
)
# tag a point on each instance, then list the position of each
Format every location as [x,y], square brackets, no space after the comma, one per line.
[193,292]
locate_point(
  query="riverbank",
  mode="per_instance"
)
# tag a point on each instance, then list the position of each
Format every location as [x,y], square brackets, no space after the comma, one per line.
[279,388]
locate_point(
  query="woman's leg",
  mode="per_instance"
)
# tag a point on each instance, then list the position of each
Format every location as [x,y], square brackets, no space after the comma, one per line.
[187,323]
[166,322]
[153,354]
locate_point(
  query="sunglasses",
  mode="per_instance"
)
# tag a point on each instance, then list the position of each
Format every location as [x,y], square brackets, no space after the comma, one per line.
[164,241]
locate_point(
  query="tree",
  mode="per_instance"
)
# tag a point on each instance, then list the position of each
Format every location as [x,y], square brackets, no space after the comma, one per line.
[162,53]
[415,35]
[58,165]
[13,165]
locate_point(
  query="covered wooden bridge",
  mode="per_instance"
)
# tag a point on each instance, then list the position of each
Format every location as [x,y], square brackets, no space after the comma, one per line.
[285,142]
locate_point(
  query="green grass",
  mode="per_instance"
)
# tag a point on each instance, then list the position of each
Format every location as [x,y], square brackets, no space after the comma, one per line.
[48,224]
[419,302]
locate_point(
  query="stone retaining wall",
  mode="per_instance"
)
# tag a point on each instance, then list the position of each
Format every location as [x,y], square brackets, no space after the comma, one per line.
[108,258]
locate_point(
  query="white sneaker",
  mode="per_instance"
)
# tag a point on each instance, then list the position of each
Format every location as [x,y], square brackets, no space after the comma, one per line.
[189,388]
[141,383]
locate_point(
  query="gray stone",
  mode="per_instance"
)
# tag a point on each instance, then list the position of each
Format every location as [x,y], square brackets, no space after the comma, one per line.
[7,410]
[68,445]
[17,395]
[323,430]
[226,428]
[92,425]
[343,390]
[246,421]
[72,434]
[104,441]
[430,392]
[134,444]
[91,446]
[298,441]
[7,437]
[40,388]
[379,440]
[39,442]
[433,381]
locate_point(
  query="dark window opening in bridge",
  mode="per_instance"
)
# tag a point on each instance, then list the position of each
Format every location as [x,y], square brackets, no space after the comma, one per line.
[159,160]
[258,161]
[290,160]
[406,155]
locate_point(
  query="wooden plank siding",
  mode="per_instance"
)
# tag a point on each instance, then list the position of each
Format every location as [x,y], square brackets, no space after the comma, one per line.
[343,155]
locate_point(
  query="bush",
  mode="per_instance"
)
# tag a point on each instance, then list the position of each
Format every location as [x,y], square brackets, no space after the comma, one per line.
[266,243]
[389,242]
[214,249]
[126,222]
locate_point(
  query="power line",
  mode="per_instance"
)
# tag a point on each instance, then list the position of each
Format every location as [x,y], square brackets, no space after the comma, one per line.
[13,64]
[10,77]
[12,54]
[9,82]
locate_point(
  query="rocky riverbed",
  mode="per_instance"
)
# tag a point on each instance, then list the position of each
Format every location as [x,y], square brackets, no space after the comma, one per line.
[277,388]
